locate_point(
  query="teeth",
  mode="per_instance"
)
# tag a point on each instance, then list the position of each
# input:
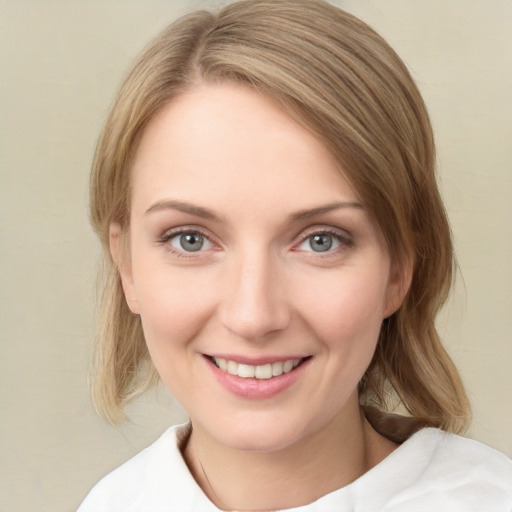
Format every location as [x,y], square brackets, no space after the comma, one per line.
[262,372]
[246,371]
[232,367]
[287,366]
[277,369]
[222,364]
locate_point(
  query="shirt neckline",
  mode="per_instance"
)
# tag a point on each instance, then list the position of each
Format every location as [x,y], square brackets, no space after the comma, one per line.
[336,497]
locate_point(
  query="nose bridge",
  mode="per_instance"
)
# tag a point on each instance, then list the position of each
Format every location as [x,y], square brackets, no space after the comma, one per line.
[255,302]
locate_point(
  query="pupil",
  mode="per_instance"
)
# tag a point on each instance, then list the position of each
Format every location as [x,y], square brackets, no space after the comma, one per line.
[321,243]
[191,242]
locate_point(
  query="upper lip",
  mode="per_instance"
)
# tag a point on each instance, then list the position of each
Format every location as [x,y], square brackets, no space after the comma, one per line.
[256,361]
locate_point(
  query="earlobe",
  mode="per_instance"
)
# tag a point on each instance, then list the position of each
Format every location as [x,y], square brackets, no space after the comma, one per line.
[399,283]
[121,257]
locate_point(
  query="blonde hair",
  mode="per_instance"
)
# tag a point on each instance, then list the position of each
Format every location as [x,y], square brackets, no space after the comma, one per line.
[341,80]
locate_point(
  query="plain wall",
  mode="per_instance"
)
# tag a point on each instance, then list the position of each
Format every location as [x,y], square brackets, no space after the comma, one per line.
[60,64]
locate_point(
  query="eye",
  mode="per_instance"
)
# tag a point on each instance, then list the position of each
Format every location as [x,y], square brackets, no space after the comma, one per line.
[190,241]
[321,242]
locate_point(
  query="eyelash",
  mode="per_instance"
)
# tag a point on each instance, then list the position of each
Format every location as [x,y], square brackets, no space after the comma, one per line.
[165,239]
[344,241]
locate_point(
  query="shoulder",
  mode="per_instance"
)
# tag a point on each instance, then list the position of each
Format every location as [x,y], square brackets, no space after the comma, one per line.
[151,480]
[435,470]
[464,460]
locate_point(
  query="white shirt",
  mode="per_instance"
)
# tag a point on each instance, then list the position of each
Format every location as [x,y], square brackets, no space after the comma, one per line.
[431,472]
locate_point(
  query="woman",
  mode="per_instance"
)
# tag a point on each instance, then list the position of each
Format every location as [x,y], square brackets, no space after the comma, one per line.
[264,186]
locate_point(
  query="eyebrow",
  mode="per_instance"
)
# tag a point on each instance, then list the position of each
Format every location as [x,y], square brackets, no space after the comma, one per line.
[319,210]
[171,204]
[205,213]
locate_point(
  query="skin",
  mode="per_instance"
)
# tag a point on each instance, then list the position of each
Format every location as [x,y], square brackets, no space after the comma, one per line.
[224,163]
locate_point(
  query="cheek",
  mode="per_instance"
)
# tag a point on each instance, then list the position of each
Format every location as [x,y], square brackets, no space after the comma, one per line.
[346,309]
[173,311]
[344,315]
[174,304]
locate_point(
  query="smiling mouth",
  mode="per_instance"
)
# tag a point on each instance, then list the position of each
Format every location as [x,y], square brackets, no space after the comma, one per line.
[260,372]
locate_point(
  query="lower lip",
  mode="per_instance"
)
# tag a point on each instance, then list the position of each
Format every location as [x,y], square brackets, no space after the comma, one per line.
[257,389]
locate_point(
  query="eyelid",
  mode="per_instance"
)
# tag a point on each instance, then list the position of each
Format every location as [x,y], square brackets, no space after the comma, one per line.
[344,237]
[323,229]
[206,242]
[169,234]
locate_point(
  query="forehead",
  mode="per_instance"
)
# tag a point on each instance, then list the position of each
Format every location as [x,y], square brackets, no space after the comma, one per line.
[219,144]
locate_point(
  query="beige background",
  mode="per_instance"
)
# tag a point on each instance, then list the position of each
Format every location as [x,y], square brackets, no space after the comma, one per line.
[61,62]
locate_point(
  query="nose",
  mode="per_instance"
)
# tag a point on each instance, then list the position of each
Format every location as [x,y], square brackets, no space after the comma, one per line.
[255,304]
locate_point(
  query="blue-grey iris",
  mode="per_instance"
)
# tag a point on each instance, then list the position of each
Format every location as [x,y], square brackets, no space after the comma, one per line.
[191,242]
[321,243]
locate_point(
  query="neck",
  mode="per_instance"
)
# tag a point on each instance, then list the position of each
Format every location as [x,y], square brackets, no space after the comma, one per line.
[294,476]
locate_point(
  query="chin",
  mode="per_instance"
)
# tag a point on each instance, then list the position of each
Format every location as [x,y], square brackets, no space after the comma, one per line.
[259,434]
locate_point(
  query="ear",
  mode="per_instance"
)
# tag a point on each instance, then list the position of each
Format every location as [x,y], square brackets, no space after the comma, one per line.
[121,256]
[400,280]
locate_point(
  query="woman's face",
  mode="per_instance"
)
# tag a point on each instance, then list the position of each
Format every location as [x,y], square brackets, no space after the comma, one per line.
[259,277]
